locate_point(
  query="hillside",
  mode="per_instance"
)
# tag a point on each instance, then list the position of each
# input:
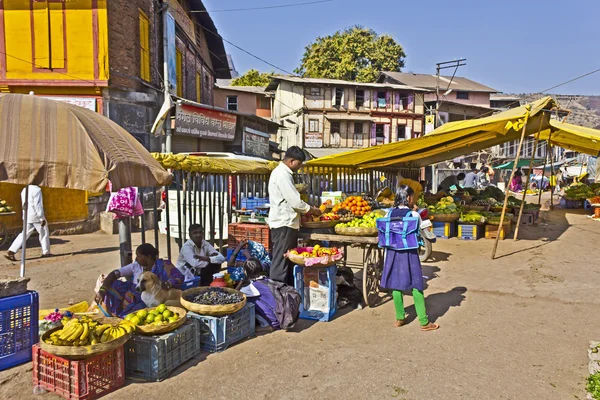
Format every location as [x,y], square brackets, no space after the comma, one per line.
[585,109]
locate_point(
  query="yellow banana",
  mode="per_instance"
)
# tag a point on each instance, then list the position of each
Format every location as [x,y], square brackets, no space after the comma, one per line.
[127,327]
[75,343]
[86,331]
[104,337]
[76,334]
[94,341]
[100,329]
[67,332]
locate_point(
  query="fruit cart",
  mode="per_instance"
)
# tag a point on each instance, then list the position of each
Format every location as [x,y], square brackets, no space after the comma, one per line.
[4,234]
[372,260]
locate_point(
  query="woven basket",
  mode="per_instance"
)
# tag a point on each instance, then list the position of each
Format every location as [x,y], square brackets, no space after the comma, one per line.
[83,352]
[166,328]
[215,311]
[432,199]
[299,260]
[320,224]
[445,217]
[476,208]
[497,209]
[355,231]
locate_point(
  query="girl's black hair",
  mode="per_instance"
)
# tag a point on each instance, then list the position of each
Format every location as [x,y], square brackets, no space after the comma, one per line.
[253,268]
[402,194]
[146,249]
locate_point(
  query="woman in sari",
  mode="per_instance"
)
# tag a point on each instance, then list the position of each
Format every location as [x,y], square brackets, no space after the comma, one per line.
[120,297]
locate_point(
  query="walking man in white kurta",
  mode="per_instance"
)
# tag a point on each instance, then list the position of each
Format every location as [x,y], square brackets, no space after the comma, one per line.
[36,220]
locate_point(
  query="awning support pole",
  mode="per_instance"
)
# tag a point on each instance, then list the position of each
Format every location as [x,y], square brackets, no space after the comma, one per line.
[507,191]
[545,163]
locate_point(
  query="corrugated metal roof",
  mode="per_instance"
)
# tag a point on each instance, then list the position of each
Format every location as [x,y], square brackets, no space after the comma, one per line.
[339,82]
[429,82]
[247,89]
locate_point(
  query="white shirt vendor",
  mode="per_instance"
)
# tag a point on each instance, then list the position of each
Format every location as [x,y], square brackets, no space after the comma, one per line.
[189,265]
[285,203]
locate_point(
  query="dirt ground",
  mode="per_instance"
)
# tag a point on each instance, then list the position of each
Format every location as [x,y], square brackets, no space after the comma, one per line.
[513,328]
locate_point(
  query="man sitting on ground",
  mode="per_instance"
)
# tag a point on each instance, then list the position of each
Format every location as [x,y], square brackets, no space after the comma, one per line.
[198,258]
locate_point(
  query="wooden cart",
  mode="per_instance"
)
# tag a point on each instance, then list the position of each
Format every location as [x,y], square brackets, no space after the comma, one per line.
[372,261]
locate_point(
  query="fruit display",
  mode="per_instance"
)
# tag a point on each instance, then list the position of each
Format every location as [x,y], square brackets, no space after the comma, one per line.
[86,331]
[345,215]
[595,200]
[356,204]
[215,296]
[316,251]
[446,205]
[317,255]
[160,315]
[368,221]
[493,218]
[386,196]
[4,207]
[579,191]
[472,217]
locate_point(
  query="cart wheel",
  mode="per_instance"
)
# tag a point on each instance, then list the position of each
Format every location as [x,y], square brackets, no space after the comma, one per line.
[3,235]
[373,267]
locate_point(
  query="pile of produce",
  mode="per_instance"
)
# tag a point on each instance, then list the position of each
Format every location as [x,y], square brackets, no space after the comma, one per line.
[483,202]
[85,331]
[471,191]
[595,200]
[386,197]
[445,206]
[593,385]
[493,218]
[316,251]
[345,215]
[316,255]
[4,207]
[368,221]
[579,192]
[356,204]
[472,217]
[161,315]
[493,192]
[215,296]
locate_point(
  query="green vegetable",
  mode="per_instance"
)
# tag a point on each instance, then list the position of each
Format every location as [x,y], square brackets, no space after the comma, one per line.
[579,192]
[593,385]
[472,217]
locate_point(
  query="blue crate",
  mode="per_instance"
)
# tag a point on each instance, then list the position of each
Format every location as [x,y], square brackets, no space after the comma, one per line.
[153,358]
[571,204]
[218,333]
[470,232]
[444,230]
[326,275]
[18,328]
[192,283]
[250,203]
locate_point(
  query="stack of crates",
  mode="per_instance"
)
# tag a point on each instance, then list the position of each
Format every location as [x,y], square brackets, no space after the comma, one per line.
[255,232]
[153,358]
[444,230]
[251,203]
[492,231]
[470,232]
[18,328]
[317,288]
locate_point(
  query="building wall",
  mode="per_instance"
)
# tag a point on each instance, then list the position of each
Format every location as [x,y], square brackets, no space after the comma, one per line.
[246,101]
[287,111]
[481,99]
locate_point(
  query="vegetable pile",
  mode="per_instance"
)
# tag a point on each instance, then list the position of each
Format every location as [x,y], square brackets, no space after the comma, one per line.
[215,296]
[593,385]
[472,217]
[445,206]
[579,192]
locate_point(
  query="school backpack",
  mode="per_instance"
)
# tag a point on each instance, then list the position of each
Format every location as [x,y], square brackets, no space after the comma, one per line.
[398,233]
[288,302]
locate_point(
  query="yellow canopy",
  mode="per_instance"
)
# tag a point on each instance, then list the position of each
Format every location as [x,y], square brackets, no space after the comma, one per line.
[573,137]
[448,141]
[211,165]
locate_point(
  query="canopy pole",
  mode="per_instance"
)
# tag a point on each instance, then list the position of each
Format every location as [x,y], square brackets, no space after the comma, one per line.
[512,175]
[535,146]
[551,178]
[544,170]
[24,246]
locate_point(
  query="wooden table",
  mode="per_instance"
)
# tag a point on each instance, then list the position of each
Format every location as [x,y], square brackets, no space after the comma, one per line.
[372,263]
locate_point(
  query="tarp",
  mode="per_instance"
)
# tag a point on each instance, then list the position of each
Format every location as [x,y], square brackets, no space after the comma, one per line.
[448,141]
[510,164]
[573,137]
[211,165]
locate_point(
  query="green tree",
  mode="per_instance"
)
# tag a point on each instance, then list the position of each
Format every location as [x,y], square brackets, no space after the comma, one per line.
[253,78]
[354,54]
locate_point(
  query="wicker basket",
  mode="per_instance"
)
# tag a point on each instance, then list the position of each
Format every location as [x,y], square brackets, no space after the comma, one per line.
[432,199]
[299,260]
[83,352]
[470,207]
[320,224]
[497,209]
[445,217]
[166,328]
[214,311]
[355,231]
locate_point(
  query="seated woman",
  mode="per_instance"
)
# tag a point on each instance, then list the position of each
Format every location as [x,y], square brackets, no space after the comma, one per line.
[120,297]
[250,250]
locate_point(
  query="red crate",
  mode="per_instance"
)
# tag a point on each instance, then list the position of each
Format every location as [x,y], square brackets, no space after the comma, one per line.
[255,232]
[79,379]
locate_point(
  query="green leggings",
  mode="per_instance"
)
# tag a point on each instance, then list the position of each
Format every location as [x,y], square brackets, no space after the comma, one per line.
[419,300]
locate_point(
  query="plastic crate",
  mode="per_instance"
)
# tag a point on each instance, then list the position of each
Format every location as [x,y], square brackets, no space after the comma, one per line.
[320,303]
[218,333]
[153,358]
[82,379]
[470,232]
[250,203]
[256,232]
[444,230]
[571,204]
[491,231]
[527,219]
[192,283]
[18,328]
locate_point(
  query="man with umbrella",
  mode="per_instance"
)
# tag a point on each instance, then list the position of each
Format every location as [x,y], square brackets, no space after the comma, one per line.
[36,220]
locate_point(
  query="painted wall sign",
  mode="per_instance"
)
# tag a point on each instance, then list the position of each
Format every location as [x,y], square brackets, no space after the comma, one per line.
[204,123]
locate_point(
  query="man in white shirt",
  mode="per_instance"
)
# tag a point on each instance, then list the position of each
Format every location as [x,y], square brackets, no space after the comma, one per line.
[472,178]
[284,213]
[35,221]
[198,258]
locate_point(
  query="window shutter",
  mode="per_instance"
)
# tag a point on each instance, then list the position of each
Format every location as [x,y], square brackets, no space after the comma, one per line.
[386,133]
[373,132]
[397,104]
[375,102]
[367,99]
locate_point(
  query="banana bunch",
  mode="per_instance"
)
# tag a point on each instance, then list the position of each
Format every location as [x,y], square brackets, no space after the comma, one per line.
[85,331]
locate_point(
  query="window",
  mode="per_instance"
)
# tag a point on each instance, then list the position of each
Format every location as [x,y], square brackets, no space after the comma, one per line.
[144,47]
[336,136]
[313,125]
[179,66]
[358,134]
[232,103]
[462,95]
[379,133]
[198,87]
[48,24]
[264,103]
[381,99]
[358,128]
[315,91]
[401,132]
[360,98]
[338,97]
[335,127]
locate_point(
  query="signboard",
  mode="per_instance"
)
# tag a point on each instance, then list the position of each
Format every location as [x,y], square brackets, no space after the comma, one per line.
[171,56]
[429,123]
[313,140]
[256,143]
[85,102]
[203,122]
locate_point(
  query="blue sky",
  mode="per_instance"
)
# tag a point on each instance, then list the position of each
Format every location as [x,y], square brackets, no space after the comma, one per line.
[514,46]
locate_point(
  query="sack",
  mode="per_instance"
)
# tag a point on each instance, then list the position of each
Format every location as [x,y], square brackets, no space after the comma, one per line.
[288,302]
[398,233]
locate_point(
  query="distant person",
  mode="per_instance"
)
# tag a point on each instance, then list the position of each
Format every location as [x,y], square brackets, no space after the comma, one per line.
[36,220]
[284,213]
[198,258]
[450,182]
[402,268]
[484,176]
[472,179]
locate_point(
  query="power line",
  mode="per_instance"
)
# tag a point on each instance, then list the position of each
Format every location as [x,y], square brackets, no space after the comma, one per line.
[265,7]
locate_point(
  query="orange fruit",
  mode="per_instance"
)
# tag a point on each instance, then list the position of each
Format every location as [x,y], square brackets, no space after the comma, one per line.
[353,208]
